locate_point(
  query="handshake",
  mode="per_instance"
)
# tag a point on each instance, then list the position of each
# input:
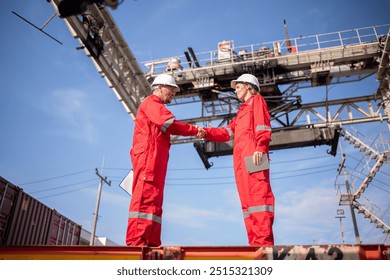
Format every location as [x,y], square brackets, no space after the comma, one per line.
[201,132]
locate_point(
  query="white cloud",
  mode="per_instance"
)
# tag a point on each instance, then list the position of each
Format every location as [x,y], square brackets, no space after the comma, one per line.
[306,204]
[303,215]
[74,117]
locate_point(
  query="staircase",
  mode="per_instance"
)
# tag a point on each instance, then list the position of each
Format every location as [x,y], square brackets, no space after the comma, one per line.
[378,158]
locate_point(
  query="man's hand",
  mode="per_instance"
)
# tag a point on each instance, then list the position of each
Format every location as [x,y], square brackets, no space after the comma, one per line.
[201,132]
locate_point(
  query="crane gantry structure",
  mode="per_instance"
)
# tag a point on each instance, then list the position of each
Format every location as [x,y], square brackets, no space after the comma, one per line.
[283,68]
[311,61]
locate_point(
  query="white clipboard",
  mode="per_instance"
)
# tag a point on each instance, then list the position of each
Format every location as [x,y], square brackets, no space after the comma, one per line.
[251,167]
[127,183]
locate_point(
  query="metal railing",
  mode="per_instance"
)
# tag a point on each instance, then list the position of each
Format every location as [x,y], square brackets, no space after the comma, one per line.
[231,54]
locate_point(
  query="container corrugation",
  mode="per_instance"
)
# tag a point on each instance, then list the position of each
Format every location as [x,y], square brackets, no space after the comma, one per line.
[30,222]
[8,196]
[26,221]
[63,231]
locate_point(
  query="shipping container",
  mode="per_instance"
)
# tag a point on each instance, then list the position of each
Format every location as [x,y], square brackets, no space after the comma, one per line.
[29,230]
[25,220]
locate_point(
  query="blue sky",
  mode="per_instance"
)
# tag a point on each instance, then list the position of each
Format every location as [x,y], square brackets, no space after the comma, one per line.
[59,120]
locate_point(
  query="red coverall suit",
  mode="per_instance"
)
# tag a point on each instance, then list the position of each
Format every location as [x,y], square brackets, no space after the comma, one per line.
[252,132]
[149,155]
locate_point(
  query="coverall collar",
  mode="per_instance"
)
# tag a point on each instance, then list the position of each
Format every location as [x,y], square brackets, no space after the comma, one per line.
[248,101]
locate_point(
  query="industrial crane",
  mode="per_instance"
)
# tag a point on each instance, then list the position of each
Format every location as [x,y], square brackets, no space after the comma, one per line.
[291,63]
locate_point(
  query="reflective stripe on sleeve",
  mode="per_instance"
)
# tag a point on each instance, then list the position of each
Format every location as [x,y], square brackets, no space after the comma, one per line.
[145,216]
[167,124]
[257,209]
[263,127]
[230,132]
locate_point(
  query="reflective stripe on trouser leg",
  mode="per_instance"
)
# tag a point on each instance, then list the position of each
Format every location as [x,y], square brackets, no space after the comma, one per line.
[259,228]
[257,202]
[145,213]
[145,216]
[256,209]
[143,229]
[254,190]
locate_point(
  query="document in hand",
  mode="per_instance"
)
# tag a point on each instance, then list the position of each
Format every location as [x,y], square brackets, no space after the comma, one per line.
[251,167]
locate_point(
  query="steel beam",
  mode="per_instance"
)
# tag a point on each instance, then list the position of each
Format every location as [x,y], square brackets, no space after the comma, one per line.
[296,252]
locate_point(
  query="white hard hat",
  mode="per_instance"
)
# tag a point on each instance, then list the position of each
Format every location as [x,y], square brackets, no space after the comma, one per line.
[246,79]
[165,80]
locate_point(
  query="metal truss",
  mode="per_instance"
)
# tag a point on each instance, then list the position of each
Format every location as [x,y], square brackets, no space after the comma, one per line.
[376,154]
[310,61]
[297,63]
[104,44]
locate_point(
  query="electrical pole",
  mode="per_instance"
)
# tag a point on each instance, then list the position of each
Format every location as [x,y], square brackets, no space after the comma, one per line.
[340,215]
[355,227]
[96,214]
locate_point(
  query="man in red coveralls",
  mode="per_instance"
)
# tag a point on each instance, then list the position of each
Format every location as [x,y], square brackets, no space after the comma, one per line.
[251,130]
[154,124]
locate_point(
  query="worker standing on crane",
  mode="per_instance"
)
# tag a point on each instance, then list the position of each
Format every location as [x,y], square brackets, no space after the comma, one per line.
[251,130]
[154,124]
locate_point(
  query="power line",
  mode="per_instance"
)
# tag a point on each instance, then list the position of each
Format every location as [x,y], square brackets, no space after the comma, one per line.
[309,168]
[301,159]
[222,167]
[381,182]
[53,178]
[305,174]
[75,190]
[224,183]
[372,184]
[384,173]
[176,179]
[63,186]
[225,177]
